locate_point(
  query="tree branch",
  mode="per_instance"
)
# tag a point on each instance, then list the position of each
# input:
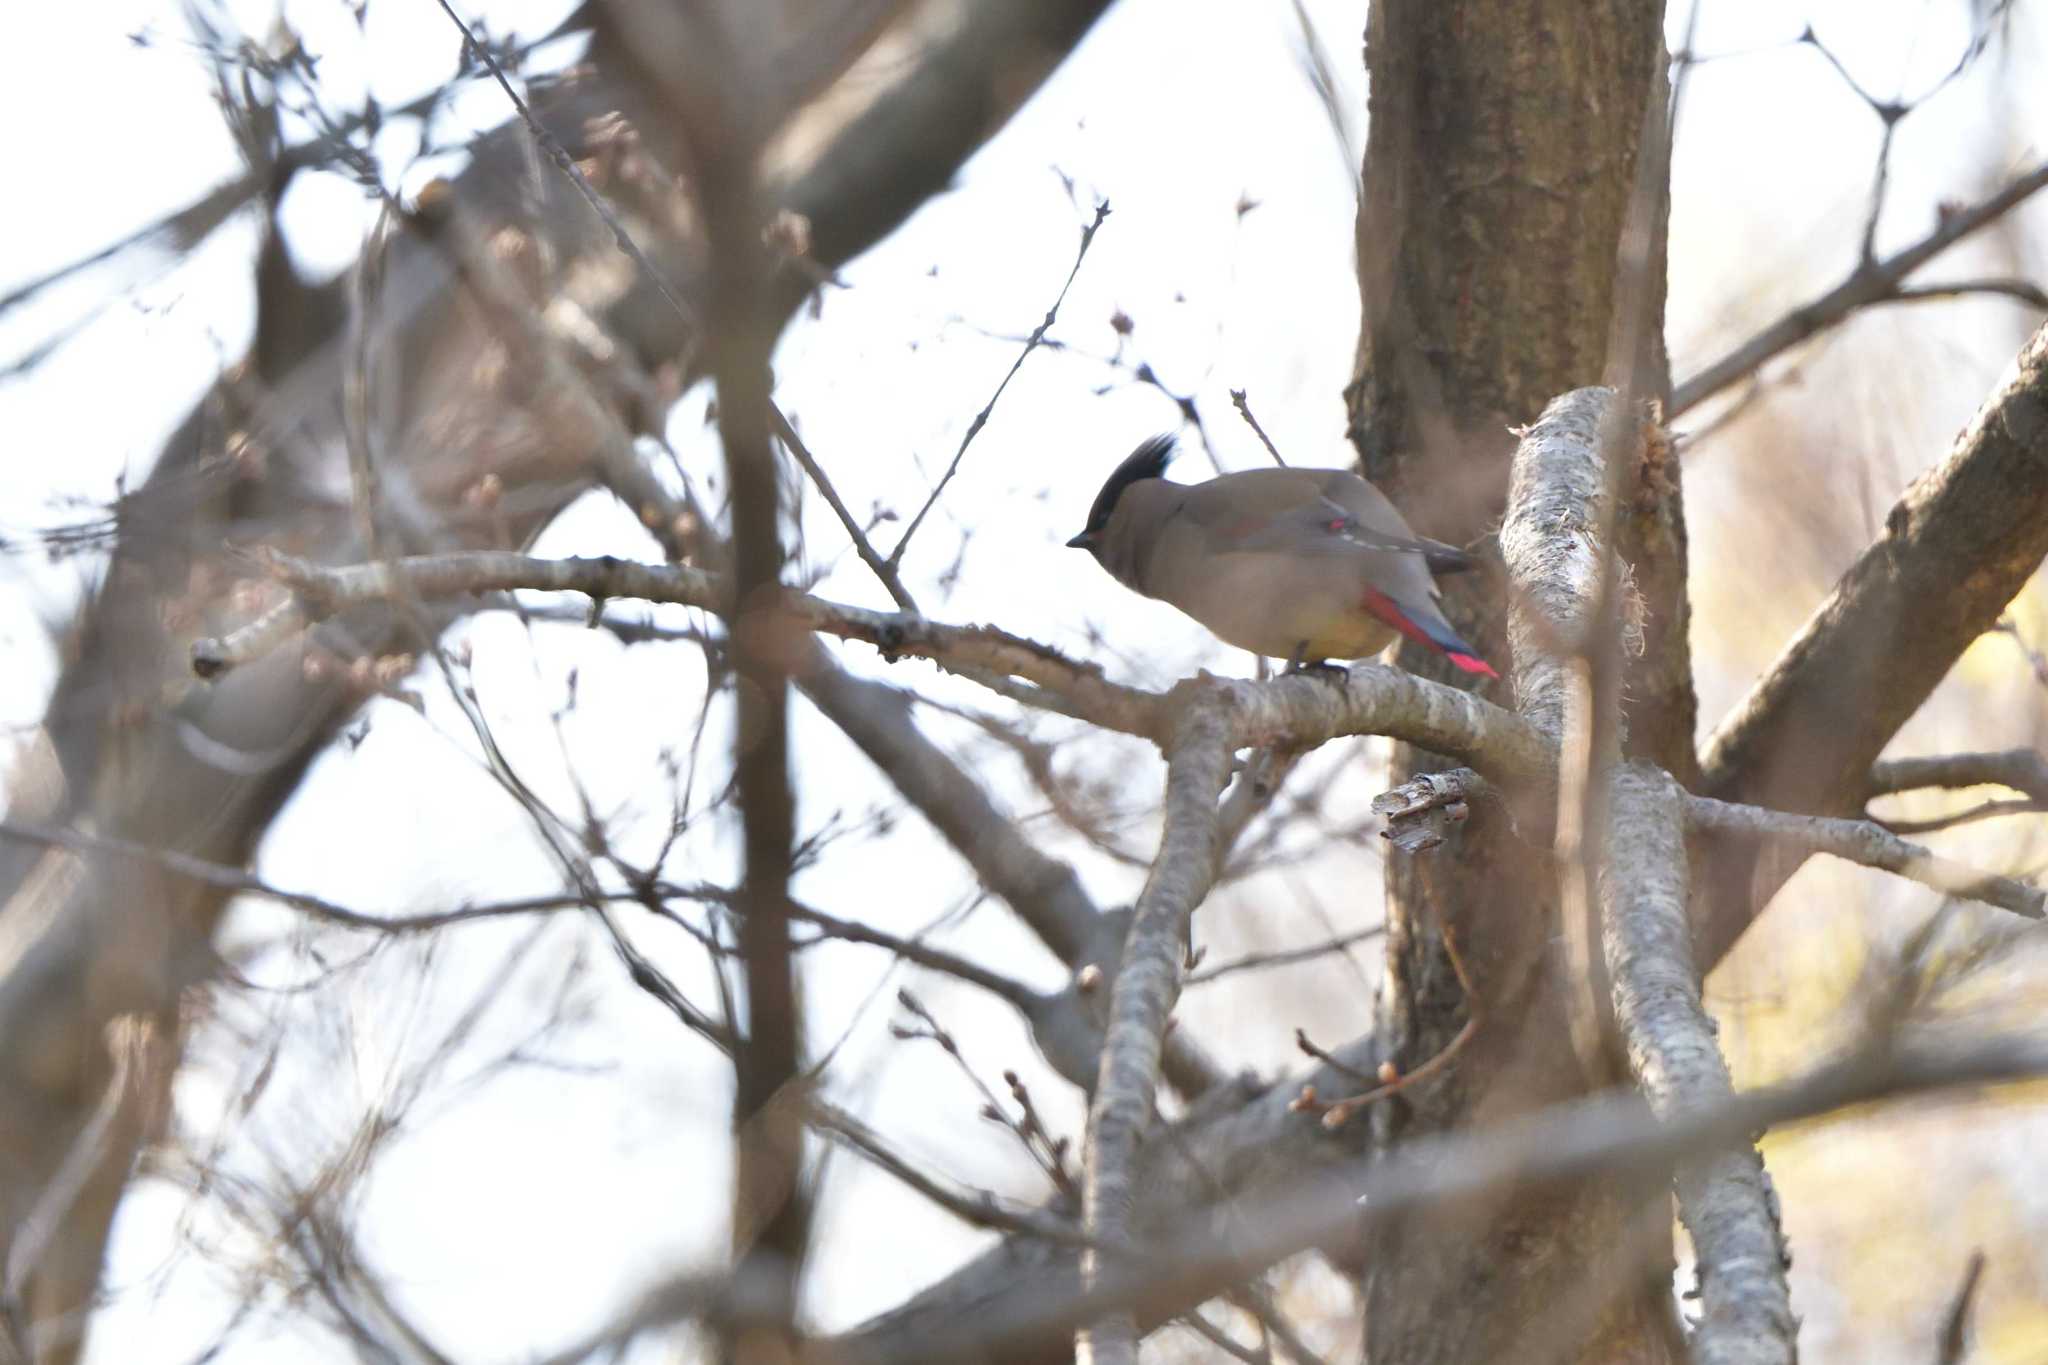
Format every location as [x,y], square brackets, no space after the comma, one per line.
[1304,711]
[1868,843]
[1957,548]
[1723,1196]
[1198,1254]
[1870,283]
[2024,770]
[1147,984]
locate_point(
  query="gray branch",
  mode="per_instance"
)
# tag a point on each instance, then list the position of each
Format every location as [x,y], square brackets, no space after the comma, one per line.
[1956,549]
[1870,283]
[1724,1196]
[1147,987]
[2024,770]
[1868,843]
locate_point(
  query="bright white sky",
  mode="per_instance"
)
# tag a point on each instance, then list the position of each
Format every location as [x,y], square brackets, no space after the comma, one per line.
[520,1212]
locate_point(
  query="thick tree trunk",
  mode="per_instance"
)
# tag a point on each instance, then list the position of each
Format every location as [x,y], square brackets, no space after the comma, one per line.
[1497,178]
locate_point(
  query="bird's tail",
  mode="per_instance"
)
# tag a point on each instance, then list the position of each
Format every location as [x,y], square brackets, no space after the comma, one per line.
[1428,626]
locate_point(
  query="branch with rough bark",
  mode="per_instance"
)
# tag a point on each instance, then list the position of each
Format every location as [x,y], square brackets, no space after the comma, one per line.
[1724,1196]
[1957,547]
[1147,985]
[1300,710]
[1621,862]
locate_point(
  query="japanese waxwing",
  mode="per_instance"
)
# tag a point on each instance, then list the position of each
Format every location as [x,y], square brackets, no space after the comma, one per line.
[1296,564]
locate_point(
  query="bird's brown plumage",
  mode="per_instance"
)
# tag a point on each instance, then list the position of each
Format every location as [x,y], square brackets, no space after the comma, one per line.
[1292,563]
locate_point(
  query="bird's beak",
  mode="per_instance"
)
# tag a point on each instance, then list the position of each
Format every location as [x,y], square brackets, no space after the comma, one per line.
[1084,541]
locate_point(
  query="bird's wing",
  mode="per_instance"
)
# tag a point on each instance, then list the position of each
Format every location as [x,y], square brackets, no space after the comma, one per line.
[1307,516]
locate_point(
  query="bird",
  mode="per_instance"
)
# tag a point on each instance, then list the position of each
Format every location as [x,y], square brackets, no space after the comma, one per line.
[1306,565]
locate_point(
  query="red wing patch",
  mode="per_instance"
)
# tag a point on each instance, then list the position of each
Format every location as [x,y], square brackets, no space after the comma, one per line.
[1388,610]
[1454,649]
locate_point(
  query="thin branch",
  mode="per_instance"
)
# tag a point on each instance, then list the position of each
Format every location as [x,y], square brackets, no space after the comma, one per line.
[1042,891]
[2019,291]
[980,1209]
[1298,710]
[1393,1081]
[1244,410]
[2023,770]
[566,164]
[1987,810]
[1308,1048]
[1862,841]
[1048,1152]
[320,592]
[1954,1343]
[1253,1299]
[1259,962]
[1004,988]
[1221,1340]
[1870,283]
[883,569]
[981,418]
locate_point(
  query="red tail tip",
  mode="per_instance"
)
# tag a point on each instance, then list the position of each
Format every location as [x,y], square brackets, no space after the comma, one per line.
[1472,664]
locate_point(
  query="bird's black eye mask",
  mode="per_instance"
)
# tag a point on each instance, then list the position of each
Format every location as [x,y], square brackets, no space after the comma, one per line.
[1148,461]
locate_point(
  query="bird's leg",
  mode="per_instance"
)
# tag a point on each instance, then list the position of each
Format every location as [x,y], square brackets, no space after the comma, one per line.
[1299,662]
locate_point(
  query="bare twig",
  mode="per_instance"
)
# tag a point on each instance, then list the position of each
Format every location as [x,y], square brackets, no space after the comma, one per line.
[980,1209]
[1393,1081]
[981,418]
[1222,1340]
[1258,962]
[1244,410]
[2023,770]
[1954,1342]
[320,592]
[1863,841]
[2019,291]
[1870,283]
[566,165]
[1044,892]
[883,569]
[1037,1141]
[1987,810]
[1308,1048]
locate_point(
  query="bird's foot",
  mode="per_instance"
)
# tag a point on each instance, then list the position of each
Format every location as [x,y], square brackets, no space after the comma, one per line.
[1299,663]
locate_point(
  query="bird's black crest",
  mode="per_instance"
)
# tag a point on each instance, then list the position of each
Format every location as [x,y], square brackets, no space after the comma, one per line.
[1148,461]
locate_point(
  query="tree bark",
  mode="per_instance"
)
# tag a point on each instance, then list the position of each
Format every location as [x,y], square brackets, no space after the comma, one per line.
[1498,175]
